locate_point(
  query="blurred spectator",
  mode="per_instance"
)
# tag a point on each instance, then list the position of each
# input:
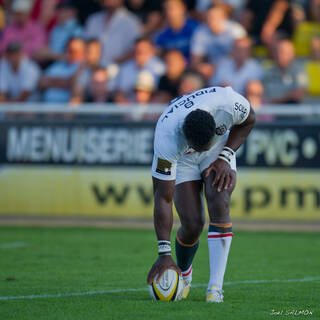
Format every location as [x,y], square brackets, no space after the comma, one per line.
[314,9]
[238,69]
[177,34]
[299,11]
[98,87]
[144,88]
[190,82]
[255,93]
[315,49]
[264,17]
[2,19]
[144,59]
[18,75]
[58,79]
[286,81]
[67,27]
[85,75]
[30,34]
[44,13]
[169,83]
[213,40]
[93,53]
[116,28]
[148,12]
[236,6]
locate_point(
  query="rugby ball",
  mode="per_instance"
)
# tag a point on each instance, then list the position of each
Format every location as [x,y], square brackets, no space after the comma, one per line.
[169,288]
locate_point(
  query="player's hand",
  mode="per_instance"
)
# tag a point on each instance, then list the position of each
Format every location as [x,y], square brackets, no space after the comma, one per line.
[225,176]
[160,266]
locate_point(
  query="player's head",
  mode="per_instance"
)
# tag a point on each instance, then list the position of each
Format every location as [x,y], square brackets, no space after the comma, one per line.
[199,129]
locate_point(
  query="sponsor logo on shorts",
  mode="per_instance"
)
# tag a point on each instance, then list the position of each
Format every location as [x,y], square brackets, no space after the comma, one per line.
[164,167]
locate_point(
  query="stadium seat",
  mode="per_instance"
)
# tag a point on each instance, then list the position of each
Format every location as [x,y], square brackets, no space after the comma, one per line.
[305,31]
[313,72]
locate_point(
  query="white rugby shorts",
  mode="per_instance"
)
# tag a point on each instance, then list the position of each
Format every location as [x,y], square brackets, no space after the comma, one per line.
[190,165]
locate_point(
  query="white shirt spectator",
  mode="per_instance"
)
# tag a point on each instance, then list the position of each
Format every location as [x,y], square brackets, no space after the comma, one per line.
[215,46]
[25,79]
[116,35]
[129,72]
[238,78]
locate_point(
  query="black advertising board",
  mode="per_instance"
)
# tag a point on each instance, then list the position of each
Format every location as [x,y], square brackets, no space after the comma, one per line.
[124,143]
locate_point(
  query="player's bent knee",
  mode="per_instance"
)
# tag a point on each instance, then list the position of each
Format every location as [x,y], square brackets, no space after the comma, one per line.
[219,206]
[191,229]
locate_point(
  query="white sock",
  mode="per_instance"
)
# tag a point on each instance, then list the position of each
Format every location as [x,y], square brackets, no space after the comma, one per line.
[219,246]
[187,274]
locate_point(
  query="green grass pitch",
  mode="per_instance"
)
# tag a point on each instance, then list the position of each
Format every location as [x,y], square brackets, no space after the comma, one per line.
[82,273]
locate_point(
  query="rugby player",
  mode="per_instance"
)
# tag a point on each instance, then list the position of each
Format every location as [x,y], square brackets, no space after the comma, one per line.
[196,139]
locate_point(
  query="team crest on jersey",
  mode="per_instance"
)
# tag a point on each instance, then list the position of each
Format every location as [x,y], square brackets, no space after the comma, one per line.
[164,167]
[189,150]
[221,130]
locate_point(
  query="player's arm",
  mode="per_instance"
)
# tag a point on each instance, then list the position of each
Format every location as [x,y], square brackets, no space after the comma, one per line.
[163,220]
[224,175]
[240,132]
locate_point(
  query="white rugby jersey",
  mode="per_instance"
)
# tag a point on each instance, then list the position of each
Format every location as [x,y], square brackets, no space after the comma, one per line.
[227,107]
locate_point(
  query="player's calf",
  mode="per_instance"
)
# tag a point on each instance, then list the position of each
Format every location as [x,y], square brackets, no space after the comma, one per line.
[185,254]
[187,241]
[219,240]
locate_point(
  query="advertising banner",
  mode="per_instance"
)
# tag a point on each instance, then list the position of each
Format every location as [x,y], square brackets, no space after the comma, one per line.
[99,168]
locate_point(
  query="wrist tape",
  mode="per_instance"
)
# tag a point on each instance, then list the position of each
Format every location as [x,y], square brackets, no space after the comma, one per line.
[226,154]
[164,248]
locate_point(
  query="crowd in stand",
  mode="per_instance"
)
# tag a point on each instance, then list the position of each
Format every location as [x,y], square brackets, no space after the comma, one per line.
[144,51]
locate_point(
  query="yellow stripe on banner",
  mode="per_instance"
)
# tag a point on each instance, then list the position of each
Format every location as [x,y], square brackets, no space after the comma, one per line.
[162,297]
[261,193]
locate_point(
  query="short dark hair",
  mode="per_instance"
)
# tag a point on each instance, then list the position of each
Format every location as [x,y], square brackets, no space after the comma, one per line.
[199,128]
[144,38]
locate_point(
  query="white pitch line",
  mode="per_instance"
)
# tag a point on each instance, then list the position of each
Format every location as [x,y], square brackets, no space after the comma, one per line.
[95,292]
[13,245]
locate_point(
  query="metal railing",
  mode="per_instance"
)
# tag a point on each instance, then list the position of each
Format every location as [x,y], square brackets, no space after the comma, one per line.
[138,110]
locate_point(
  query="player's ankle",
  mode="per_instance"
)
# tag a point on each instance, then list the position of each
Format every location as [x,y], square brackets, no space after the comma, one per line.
[187,274]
